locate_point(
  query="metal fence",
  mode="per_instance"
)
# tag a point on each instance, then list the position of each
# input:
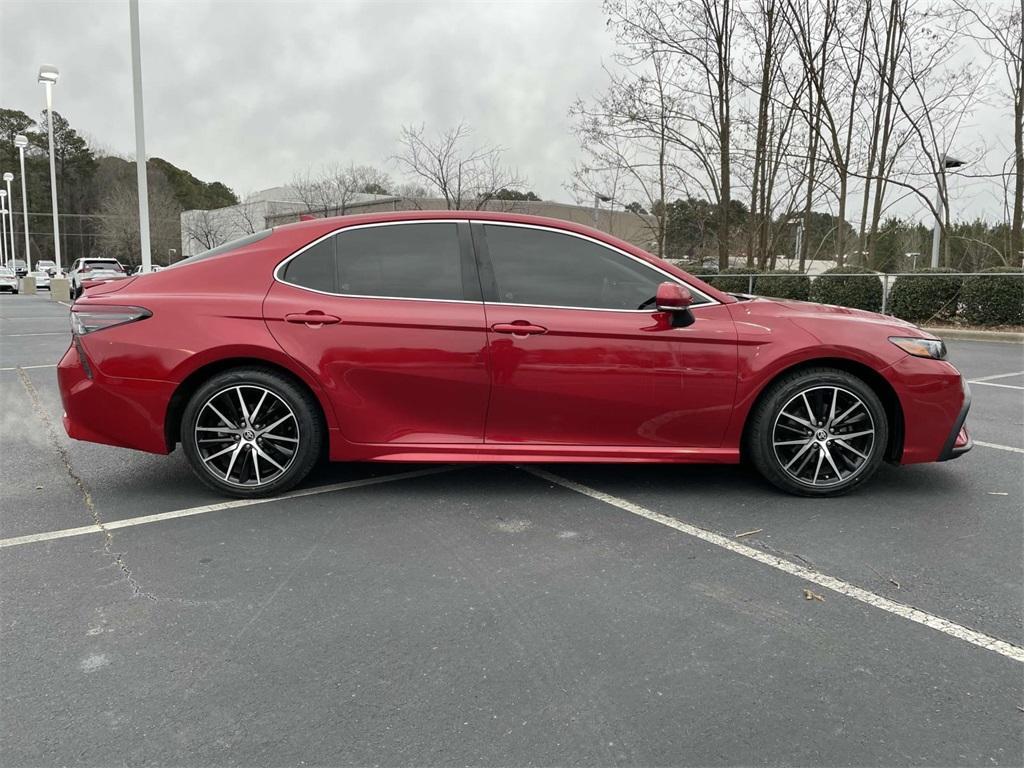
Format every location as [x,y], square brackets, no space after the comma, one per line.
[886,278]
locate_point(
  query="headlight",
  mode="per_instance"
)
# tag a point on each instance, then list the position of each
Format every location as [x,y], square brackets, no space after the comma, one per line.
[933,348]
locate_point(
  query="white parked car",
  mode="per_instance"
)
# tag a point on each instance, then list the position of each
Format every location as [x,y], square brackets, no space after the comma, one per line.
[42,279]
[49,267]
[8,280]
[93,271]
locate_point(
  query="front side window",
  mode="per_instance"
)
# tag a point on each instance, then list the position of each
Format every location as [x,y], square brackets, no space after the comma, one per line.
[546,268]
[408,261]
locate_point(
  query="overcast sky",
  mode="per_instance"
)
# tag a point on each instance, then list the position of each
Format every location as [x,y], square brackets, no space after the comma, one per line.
[248,93]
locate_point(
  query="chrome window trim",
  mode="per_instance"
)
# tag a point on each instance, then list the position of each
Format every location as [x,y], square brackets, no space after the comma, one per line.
[279,269]
[709,301]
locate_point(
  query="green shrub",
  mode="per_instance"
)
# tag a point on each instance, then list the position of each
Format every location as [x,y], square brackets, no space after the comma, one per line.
[834,287]
[785,284]
[934,295]
[734,280]
[994,300]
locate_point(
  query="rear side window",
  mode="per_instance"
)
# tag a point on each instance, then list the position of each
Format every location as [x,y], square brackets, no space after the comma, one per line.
[405,261]
[225,248]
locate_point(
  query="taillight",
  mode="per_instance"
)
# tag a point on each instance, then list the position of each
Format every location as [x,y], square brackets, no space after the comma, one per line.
[96,318]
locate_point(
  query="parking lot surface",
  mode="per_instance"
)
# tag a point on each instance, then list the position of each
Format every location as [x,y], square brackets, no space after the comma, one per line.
[558,615]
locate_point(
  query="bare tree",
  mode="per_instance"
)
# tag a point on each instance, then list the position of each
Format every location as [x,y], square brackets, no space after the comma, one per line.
[331,189]
[465,176]
[206,229]
[249,214]
[119,217]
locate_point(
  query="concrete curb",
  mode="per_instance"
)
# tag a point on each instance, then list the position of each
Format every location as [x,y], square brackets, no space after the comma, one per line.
[1009,337]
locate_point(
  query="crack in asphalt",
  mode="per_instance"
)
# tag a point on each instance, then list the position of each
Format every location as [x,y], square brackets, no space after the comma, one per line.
[108,539]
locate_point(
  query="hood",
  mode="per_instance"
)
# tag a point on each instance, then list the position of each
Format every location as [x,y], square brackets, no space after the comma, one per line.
[810,312]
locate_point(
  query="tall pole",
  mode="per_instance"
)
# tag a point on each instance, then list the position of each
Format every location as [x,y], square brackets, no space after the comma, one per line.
[140,137]
[8,178]
[21,141]
[3,223]
[53,174]
[936,232]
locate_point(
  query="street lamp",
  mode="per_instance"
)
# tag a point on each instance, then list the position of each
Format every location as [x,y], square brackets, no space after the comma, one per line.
[8,178]
[947,164]
[21,142]
[48,77]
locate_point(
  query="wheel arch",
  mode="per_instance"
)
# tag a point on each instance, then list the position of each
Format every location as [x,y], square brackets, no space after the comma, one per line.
[878,383]
[188,386]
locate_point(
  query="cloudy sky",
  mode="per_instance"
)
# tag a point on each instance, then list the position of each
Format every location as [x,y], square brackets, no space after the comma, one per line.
[250,92]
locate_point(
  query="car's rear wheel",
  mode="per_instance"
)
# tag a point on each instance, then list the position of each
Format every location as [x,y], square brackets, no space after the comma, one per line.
[818,432]
[251,432]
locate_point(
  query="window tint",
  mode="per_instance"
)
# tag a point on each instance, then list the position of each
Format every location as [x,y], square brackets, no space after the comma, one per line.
[314,268]
[535,266]
[412,261]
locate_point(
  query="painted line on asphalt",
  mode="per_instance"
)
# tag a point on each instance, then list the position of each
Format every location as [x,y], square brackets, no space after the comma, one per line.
[994,384]
[131,522]
[999,447]
[41,333]
[980,379]
[28,367]
[951,628]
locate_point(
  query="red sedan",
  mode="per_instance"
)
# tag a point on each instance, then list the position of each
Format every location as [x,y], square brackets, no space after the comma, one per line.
[484,337]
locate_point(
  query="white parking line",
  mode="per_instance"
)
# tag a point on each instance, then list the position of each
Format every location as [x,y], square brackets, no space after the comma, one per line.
[146,519]
[999,447]
[28,367]
[993,384]
[981,379]
[1009,650]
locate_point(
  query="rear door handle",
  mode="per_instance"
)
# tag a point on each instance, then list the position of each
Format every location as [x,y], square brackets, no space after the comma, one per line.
[519,328]
[314,319]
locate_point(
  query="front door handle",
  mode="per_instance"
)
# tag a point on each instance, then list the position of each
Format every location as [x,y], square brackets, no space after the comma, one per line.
[313,318]
[519,328]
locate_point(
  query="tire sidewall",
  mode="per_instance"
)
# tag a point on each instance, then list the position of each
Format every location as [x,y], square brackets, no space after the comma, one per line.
[310,429]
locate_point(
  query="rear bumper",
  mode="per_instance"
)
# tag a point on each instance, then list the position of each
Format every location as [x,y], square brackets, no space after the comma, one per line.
[128,413]
[959,441]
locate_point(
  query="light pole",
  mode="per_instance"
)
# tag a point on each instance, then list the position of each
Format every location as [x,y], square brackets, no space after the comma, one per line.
[48,77]
[140,137]
[8,178]
[21,142]
[3,223]
[947,163]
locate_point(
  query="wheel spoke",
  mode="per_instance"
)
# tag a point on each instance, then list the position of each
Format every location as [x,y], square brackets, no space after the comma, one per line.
[231,464]
[213,456]
[799,453]
[241,401]
[255,463]
[256,410]
[828,455]
[282,438]
[851,435]
[798,420]
[817,469]
[266,457]
[843,444]
[842,417]
[810,413]
[280,421]
[792,442]
[832,410]
[221,416]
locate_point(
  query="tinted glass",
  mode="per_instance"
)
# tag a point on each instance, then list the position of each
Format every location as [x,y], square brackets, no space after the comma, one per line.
[535,266]
[314,268]
[411,261]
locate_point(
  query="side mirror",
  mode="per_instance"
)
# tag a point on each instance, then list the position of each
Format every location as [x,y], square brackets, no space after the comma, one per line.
[676,300]
[672,297]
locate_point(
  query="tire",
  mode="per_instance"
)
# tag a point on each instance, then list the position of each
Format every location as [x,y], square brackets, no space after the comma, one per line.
[265,449]
[841,448]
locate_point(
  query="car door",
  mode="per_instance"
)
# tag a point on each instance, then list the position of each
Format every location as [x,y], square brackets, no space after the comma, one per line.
[388,317]
[574,359]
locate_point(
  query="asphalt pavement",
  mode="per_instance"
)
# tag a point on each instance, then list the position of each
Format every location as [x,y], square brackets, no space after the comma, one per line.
[557,615]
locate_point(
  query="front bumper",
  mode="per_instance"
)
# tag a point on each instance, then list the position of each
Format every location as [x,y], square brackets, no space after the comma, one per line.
[959,441]
[128,413]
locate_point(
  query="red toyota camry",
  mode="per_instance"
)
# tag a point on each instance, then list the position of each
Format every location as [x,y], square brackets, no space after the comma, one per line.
[482,337]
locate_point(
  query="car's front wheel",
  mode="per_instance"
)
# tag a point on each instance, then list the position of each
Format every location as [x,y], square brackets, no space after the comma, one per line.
[818,432]
[251,432]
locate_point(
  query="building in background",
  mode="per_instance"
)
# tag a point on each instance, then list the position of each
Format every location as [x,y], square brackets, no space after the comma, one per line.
[202,230]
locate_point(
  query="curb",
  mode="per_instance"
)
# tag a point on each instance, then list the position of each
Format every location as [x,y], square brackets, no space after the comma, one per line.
[1010,337]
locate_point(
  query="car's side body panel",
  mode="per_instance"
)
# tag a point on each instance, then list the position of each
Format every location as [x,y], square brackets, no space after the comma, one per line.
[402,380]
